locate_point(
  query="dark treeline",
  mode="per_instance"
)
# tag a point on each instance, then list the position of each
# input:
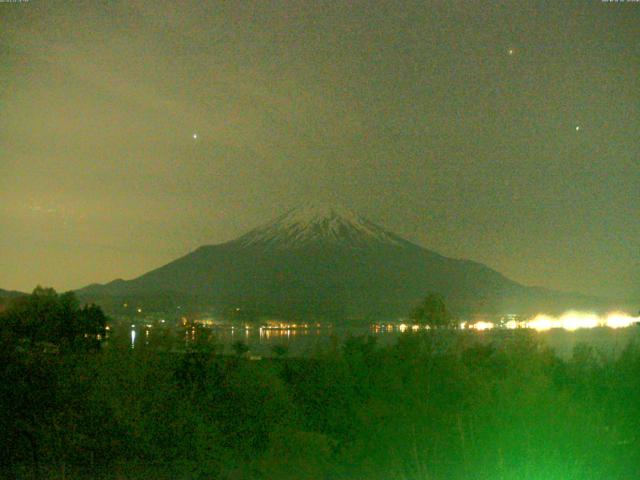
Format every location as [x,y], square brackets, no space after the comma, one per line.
[439,405]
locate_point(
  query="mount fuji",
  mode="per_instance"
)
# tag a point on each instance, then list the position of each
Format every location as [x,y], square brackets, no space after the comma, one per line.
[326,262]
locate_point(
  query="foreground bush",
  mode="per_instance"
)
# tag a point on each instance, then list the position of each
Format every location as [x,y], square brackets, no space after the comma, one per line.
[436,406]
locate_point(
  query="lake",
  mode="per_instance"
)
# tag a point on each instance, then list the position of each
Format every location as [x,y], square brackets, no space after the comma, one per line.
[309,341]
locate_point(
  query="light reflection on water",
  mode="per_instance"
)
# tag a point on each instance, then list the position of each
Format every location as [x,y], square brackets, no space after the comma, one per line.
[311,340]
[133,338]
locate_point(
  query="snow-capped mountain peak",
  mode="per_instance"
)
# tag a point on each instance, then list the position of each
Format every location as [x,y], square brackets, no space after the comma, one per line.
[317,224]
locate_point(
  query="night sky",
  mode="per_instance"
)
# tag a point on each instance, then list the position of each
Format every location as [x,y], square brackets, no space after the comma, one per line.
[506,133]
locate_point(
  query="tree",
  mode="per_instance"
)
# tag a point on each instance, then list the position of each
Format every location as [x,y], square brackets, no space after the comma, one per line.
[280,350]
[240,348]
[44,317]
[433,312]
[38,391]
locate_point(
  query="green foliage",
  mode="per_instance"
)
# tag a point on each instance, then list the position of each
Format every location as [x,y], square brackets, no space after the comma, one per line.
[240,348]
[432,311]
[46,318]
[280,351]
[443,405]
[41,384]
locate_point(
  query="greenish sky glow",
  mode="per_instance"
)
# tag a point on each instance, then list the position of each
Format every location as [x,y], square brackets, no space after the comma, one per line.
[453,124]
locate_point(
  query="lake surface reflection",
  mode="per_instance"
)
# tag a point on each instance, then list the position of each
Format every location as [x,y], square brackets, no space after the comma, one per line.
[313,340]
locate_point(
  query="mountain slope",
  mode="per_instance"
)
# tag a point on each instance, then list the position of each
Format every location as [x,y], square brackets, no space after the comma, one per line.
[327,261]
[7,296]
[311,225]
[11,293]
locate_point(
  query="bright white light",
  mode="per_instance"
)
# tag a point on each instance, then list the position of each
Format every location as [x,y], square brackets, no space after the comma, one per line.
[620,320]
[577,128]
[574,320]
[195,136]
[133,338]
[542,323]
[482,326]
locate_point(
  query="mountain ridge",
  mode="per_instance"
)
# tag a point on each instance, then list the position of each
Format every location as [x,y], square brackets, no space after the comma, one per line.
[312,223]
[328,261]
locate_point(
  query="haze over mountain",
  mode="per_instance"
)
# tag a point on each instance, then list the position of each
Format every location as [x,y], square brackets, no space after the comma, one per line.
[326,261]
[10,293]
[7,296]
